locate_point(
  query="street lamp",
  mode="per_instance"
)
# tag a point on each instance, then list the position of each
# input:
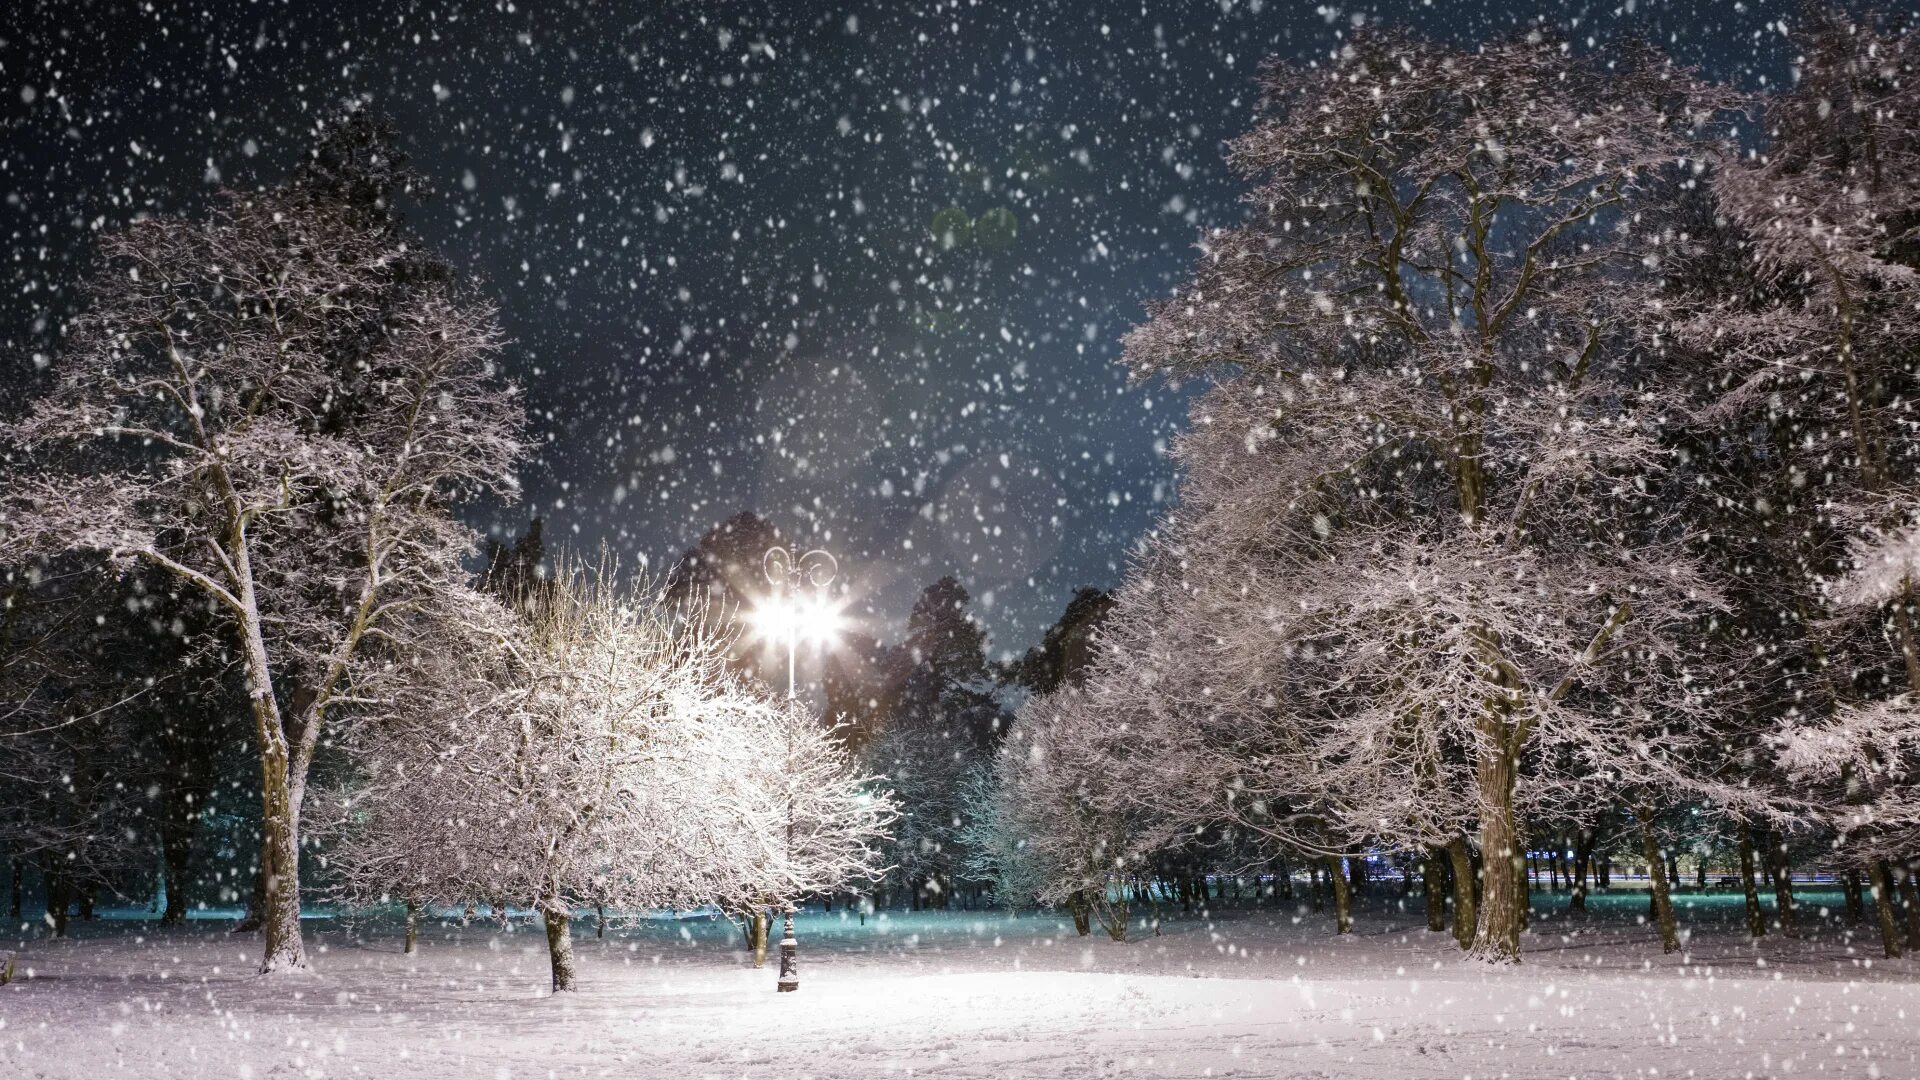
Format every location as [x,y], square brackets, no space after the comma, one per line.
[795,610]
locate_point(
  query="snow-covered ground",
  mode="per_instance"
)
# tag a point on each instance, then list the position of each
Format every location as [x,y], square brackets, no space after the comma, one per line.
[1252,992]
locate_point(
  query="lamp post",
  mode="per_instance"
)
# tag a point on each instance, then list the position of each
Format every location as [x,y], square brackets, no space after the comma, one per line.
[792,615]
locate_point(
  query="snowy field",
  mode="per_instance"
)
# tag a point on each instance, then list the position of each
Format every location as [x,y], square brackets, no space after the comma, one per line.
[1249,993]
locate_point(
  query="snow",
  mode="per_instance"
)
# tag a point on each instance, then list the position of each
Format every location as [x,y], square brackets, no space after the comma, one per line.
[1258,992]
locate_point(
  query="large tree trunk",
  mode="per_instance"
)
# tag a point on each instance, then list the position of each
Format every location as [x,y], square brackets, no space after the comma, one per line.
[757,936]
[1657,881]
[1342,898]
[1497,938]
[1850,886]
[1910,897]
[176,846]
[1081,907]
[559,944]
[1433,889]
[1756,919]
[280,857]
[1465,919]
[1782,874]
[279,793]
[1883,907]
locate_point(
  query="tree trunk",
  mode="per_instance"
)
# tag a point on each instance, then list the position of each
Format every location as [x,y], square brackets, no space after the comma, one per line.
[59,896]
[1523,883]
[600,920]
[1497,938]
[1756,919]
[1342,898]
[1464,917]
[1657,883]
[559,945]
[281,867]
[1313,873]
[413,926]
[1606,871]
[1883,907]
[13,907]
[1782,874]
[1111,914]
[1582,865]
[1910,897]
[1856,905]
[1082,915]
[757,935]
[1433,889]
[1357,875]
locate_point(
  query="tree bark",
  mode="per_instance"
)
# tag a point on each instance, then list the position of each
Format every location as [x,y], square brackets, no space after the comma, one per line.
[280,857]
[1465,919]
[1078,905]
[1497,939]
[1658,884]
[176,852]
[757,936]
[1523,883]
[1342,898]
[560,945]
[1782,874]
[413,926]
[1883,907]
[1756,919]
[1433,889]
[1910,898]
[1856,906]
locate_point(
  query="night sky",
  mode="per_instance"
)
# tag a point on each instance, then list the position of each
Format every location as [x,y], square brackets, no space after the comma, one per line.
[863,269]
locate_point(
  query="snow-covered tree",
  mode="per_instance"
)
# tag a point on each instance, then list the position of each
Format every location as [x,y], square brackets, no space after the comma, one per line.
[277,404]
[595,748]
[804,821]
[1435,409]
[1806,338]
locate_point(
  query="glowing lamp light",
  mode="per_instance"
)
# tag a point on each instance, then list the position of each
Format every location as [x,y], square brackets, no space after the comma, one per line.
[792,619]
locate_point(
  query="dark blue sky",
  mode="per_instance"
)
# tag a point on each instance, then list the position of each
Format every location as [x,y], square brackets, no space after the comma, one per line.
[711,231]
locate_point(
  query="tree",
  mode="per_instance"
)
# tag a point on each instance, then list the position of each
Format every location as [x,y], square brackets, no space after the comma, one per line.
[808,822]
[941,720]
[1809,337]
[1066,649]
[1434,402]
[277,404]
